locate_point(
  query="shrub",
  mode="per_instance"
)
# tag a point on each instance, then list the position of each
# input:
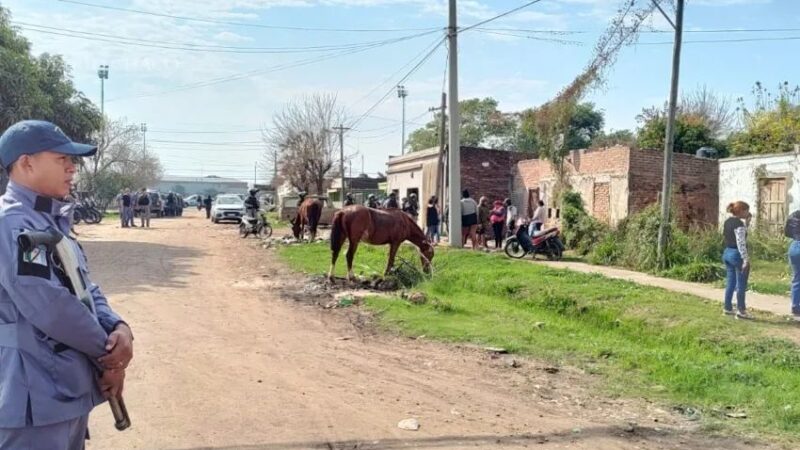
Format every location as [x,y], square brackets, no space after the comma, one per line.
[640,248]
[697,271]
[607,251]
[769,247]
[581,231]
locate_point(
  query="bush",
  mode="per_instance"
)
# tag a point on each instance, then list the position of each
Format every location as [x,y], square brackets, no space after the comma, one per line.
[697,271]
[581,231]
[607,251]
[640,248]
[768,247]
[706,245]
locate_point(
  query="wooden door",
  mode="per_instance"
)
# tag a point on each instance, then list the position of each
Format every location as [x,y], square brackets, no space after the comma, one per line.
[772,205]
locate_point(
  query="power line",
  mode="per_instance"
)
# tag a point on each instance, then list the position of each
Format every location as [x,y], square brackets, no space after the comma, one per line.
[499,16]
[187,46]
[526,36]
[290,65]
[255,130]
[164,141]
[714,30]
[720,41]
[403,79]
[241,24]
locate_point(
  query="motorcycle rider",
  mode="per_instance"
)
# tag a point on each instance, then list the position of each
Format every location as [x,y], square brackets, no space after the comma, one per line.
[372,202]
[251,204]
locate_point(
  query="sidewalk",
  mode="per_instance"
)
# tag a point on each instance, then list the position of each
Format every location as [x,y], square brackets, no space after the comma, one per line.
[762,302]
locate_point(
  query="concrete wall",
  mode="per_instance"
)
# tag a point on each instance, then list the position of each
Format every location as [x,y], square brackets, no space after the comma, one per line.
[739,177]
[695,188]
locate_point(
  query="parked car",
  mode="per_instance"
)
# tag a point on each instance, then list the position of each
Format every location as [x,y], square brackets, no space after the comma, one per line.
[288,209]
[193,200]
[156,204]
[227,207]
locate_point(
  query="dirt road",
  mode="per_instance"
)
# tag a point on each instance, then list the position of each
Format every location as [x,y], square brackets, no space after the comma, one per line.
[224,361]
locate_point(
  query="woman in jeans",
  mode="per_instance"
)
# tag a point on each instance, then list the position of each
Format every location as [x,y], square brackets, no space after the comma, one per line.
[736,258]
[792,231]
[432,219]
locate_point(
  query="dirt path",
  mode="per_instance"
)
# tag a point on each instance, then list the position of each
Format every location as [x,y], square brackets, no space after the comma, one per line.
[763,302]
[224,361]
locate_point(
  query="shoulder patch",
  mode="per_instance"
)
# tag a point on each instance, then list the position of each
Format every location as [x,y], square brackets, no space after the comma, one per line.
[34,263]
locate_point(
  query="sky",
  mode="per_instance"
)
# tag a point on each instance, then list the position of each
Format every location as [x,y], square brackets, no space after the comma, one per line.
[205,110]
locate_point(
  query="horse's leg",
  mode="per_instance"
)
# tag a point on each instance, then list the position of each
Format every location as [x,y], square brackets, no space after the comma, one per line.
[351,253]
[392,254]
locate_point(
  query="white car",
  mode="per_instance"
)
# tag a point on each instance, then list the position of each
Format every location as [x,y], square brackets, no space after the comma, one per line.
[193,200]
[227,207]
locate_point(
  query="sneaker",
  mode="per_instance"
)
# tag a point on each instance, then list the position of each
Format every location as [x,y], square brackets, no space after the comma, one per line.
[728,312]
[743,315]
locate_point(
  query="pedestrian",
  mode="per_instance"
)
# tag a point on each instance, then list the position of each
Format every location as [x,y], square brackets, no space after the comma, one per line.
[792,231]
[207,205]
[348,200]
[484,223]
[50,344]
[539,217]
[126,209]
[469,219]
[511,215]
[144,208]
[498,219]
[412,207]
[123,219]
[736,258]
[372,202]
[432,220]
[391,202]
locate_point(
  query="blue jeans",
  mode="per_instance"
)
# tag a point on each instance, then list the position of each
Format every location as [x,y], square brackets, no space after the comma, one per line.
[736,280]
[794,260]
[433,230]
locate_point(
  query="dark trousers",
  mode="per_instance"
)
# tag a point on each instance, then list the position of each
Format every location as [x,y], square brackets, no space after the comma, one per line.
[498,234]
[208,212]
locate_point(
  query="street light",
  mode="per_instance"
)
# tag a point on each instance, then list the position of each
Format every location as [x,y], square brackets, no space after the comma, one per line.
[102,73]
[402,93]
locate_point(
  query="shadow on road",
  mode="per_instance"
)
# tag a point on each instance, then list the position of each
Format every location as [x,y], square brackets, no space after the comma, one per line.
[124,267]
[643,436]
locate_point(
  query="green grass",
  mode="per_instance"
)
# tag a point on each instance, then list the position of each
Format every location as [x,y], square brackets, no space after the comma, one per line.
[276,222]
[644,342]
[111,215]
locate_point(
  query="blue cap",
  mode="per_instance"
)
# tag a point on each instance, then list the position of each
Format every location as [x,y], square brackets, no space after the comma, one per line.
[34,136]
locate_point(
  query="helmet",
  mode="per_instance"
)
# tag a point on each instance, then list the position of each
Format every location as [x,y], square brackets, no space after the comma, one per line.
[413,195]
[371,196]
[253,191]
[349,195]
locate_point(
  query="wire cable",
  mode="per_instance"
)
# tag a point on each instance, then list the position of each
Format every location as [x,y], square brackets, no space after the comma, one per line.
[500,16]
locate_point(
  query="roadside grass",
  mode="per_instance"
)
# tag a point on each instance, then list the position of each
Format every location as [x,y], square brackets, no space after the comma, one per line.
[111,215]
[644,342]
[276,221]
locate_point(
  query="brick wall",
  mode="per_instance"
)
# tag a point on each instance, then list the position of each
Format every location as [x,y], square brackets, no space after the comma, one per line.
[487,172]
[601,203]
[695,188]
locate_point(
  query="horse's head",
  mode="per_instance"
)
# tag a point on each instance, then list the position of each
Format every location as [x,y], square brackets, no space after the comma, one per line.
[297,229]
[426,256]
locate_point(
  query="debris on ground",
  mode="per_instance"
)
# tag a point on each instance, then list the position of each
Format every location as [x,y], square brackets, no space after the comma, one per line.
[551,370]
[511,362]
[416,298]
[409,424]
[498,350]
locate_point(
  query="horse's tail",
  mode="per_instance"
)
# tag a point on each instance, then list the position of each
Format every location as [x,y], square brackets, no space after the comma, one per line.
[337,233]
[314,216]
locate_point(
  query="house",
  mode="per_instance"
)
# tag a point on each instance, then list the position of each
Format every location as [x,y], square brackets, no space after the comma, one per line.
[484,172]
[770,184]
[209,185]
[361,187]
[619,181]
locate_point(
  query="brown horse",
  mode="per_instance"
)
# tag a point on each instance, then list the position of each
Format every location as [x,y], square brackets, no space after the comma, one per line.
[377,227]
[308,214]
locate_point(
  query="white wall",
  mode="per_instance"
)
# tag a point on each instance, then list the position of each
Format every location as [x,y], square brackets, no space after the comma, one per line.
[738,180]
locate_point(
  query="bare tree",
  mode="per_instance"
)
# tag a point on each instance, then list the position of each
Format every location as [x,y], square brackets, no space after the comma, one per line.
[301,144]
[715,111]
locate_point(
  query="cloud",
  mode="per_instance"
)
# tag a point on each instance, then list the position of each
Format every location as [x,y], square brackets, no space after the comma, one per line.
[228,36]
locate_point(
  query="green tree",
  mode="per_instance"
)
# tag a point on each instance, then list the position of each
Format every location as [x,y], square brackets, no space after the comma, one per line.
[40,87]
[772,125]
[691,132]
[482,124]
[614,137]
[585,124]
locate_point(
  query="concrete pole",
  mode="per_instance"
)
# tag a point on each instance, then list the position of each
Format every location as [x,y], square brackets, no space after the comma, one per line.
[669,143]
[103,97]
[144,140]
[454,151]
[440,184]
[341,129]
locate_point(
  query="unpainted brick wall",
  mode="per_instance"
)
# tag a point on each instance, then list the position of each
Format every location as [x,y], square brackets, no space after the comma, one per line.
[695,188]
[494,181]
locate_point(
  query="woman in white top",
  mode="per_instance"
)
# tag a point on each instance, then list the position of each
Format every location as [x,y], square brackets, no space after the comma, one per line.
[539,217]
[469,219]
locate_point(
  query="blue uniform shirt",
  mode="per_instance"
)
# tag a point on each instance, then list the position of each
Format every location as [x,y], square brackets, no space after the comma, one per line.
[49,341]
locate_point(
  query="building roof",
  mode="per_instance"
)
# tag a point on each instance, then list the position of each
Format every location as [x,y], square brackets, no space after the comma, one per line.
[760,156]
[210,179]
[427,153]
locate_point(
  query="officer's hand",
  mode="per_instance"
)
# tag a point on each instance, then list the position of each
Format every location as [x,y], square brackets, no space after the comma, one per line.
[119,347]
[111,383]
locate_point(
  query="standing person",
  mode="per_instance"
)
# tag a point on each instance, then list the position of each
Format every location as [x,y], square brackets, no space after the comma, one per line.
[511,215]
[126,208]
[207,205]
[123,219]
[391,202]
[413,206]
[539,217]
[134,207]
[51,344]
[348,200]
[432,220]
[484,223]
[498,219]
[736,258]
[144,208]
[469,219]
[792,231]
[372,202]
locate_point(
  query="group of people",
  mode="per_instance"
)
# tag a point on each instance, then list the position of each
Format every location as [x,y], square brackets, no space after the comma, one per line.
[132,203]
[737,259]
[482,221]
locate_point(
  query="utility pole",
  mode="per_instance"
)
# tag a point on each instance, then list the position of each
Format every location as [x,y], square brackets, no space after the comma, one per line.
[144,139]
[442,140]
[255,168]
[454,149]
[341,129]
[669,140]
[102,72]
[362,163]
[402,93]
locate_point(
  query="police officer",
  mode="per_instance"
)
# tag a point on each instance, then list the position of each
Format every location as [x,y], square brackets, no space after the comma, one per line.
[348,199]
[50,344]
[391,202]
[251,204]
[372,202]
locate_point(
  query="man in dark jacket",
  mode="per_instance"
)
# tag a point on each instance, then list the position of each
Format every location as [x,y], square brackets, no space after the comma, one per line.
[207,204]
[391,202]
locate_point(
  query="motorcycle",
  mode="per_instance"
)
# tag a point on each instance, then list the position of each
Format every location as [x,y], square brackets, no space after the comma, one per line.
[546,243]
[257,226]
